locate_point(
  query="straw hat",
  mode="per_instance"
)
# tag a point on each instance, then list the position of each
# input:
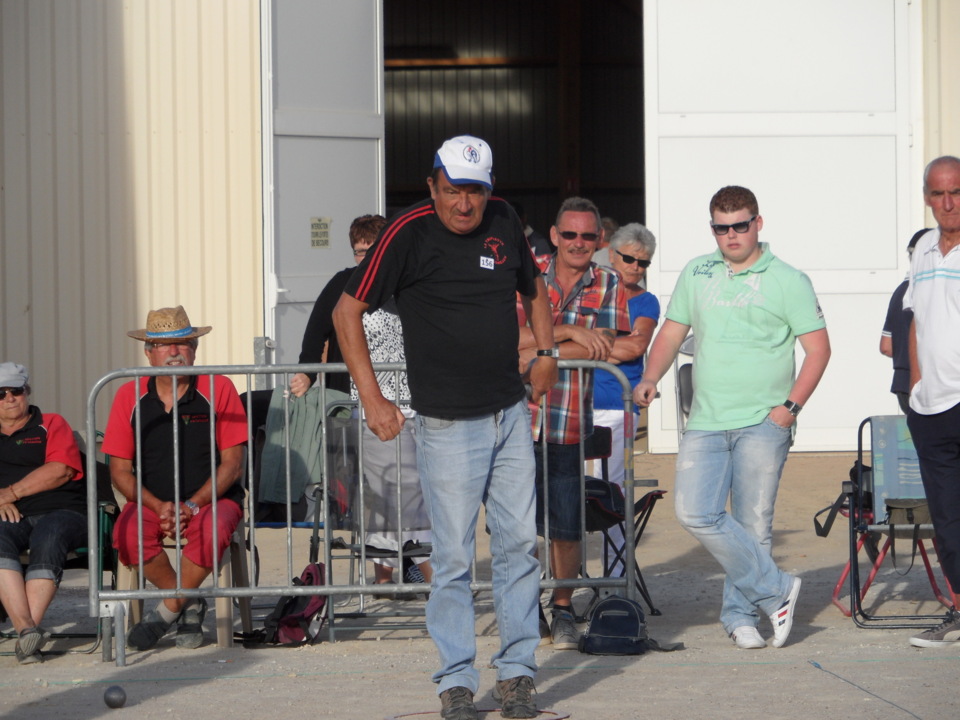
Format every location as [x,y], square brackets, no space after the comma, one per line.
[168,325]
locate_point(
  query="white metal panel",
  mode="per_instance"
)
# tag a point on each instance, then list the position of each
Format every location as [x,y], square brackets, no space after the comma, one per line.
[809,106]
[776,56]
[326,70]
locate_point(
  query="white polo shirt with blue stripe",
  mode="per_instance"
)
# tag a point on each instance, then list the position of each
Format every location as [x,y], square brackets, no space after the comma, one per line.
[934,297]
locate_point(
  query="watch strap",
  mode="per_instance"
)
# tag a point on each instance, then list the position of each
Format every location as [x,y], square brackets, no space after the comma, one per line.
[553,352]
[792,407]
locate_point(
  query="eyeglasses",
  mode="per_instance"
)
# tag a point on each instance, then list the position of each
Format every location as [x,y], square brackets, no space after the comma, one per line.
[571,235]
[740,228]
[16,392]
[630,259]
[360,253]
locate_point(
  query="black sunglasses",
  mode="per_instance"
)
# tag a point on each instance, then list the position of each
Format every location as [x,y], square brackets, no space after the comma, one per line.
[740,228]
[571,235]
[16,392]
[630,259]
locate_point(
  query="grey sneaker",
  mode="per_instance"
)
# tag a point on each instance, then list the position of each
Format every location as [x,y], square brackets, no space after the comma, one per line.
[147,633]
[564,630]
[516,697]
[946,633]
[32,640]
[457,704]
[190,625]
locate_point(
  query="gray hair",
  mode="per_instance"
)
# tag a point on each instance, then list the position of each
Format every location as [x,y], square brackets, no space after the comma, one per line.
[634,233]
[942,160]
[578,204]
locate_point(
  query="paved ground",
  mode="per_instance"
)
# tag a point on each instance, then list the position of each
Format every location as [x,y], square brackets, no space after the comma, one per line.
[828,669]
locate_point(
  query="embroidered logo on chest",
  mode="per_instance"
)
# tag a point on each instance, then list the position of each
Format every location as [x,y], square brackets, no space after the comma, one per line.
[494,246]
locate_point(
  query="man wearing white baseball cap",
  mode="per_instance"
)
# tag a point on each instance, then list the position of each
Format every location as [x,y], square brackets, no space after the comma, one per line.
[455,263]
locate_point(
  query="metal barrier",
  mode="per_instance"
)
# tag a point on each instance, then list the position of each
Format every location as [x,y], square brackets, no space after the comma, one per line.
[111,603]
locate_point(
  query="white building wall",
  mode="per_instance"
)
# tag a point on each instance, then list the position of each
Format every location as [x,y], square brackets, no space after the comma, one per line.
[130,167]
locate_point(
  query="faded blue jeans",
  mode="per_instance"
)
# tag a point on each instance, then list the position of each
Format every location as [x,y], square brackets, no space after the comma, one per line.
[463,463]
[743,465]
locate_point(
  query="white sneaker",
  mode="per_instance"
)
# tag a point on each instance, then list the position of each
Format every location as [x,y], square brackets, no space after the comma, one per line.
[782,619]
[747,637]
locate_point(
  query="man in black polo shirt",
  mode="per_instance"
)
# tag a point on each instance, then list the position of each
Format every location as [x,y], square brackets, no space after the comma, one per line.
[171,341]
[455,264]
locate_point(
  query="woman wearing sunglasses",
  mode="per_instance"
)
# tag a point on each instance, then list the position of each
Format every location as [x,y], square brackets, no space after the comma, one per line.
[43,508]
[631,249]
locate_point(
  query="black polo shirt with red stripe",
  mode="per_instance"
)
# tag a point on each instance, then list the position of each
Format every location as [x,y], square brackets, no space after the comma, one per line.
[45,438]
[194,412]
[456,296]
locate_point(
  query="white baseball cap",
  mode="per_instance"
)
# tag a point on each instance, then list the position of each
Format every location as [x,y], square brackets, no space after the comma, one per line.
[466,159]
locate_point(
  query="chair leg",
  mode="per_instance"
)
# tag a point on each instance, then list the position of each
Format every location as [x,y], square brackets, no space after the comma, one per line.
[128,578]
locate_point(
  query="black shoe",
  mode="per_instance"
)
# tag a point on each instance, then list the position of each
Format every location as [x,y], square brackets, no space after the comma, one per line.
[516,697]
[457,704]
[147,633]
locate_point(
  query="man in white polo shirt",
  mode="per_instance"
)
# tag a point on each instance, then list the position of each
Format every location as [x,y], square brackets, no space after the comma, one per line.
[934,417]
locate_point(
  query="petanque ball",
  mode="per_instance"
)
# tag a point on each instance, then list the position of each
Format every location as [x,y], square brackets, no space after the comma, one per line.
[114,696]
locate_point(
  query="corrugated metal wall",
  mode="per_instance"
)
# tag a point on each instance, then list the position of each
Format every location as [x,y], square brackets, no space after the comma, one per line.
[130,166]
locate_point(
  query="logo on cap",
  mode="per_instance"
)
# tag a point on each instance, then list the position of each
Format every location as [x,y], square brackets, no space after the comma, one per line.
[471,154]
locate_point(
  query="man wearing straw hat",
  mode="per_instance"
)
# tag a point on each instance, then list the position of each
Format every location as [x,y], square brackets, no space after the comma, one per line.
[171,341]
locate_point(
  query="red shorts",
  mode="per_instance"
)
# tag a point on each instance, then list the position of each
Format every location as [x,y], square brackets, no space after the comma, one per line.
[199,533]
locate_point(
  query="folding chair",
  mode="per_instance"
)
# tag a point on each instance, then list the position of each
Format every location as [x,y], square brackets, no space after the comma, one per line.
[605,510]
[893,474]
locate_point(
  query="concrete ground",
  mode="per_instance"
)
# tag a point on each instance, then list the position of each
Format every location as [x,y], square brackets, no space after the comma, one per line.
[829,668]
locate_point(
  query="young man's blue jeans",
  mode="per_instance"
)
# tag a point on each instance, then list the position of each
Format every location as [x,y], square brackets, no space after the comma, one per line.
[463,463]
[744,465]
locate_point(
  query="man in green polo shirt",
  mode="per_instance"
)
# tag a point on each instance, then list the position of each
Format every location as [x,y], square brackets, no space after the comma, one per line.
[746,308]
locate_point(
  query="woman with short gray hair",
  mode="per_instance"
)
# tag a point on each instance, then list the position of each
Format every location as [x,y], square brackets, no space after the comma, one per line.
[631,251]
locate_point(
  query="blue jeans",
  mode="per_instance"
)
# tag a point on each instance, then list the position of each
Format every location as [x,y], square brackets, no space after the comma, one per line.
[49,537]
[463,463]
[744,465]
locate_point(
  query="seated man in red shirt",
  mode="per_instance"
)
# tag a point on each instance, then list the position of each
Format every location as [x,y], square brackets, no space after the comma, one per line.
[171,341]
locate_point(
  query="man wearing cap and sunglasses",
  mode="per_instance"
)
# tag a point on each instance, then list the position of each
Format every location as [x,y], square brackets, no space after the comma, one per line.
[746,308]
[454,263]
[170,340]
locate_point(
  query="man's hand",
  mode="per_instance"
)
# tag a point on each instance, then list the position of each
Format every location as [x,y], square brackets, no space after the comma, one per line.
[543,375]
[9,513]
[383,418]
[299,384]
[782,417]
[644,393]
[171,516]
[597,343]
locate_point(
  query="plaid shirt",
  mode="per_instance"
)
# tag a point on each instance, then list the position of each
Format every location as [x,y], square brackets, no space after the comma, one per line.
[596,301]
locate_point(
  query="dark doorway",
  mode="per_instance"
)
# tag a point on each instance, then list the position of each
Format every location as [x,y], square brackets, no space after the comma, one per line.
[555,87]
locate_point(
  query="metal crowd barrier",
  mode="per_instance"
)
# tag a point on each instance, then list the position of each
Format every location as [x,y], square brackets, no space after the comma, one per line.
[110,604]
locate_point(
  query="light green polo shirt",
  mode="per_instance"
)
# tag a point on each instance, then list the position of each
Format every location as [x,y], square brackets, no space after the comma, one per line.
[745,325]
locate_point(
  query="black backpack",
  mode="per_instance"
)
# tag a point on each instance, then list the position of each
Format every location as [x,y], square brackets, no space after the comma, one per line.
[616,627]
